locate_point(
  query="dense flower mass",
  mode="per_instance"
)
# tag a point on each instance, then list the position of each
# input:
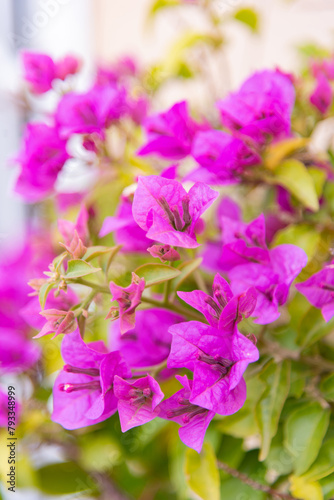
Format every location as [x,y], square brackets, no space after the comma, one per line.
[155,274]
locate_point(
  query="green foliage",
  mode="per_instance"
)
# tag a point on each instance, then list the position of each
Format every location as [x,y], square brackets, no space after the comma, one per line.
[156,273]
[44,292]
[294,176]
[302,235]
[269,407]
[327,387]
[249,17]
[202,474]
[304,431]
[78,268]
[65,478]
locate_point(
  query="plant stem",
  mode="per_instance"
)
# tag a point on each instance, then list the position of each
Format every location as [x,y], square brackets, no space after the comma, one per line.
[172,307]
[95,286]
[253,484]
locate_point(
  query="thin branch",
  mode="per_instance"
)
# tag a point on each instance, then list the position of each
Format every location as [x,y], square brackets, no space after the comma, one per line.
[253,484]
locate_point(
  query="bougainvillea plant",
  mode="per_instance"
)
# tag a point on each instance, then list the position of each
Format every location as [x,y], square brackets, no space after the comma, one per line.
[178,304]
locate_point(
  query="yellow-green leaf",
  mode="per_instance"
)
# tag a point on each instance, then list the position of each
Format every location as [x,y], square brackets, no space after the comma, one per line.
[162,4]
[186,268]
[97,251]
[327,387]
[77,268]
[303,235]
[202,474]
[276,152]
[305,490]
[304,431]
[269,407]
[44,292]
[313,327]
[319,178]
[324,464]
[248,17]
[156,273]
[294,176]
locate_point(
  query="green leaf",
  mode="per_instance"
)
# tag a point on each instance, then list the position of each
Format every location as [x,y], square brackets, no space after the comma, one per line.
[202,474]
[248,17]
[294,176]
[304,431]
[324,464]
[44,292]
[305,490]
[313,327]
[156,273]
[319,178]
[269,407]
[64,478]
[78,268]
[327,387]
[276,152]
[186,268]
[97,251]
[327,486]
[242,424]
[303,235]
[162,4]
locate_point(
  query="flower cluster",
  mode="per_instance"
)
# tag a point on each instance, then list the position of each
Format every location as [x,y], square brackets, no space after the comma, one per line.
[191,317]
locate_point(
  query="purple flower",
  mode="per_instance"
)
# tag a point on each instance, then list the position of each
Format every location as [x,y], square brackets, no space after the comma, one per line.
[83,391]
[17,352]
[18,263]
[80,226]
[164,252]
[221,310]
[126,231]
[41,158]
[241,243]
[222,158]
[68,65]
[128,300]
[167,212]
[271,280]
[90,113]
[319,291]
[137,401]
[261,108]
[218,359]
[170,134]
[194,419]
[322,96]
[148,344]
[40,70]
[59,319]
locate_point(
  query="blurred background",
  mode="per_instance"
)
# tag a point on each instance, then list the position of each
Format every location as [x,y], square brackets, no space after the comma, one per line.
[102,30]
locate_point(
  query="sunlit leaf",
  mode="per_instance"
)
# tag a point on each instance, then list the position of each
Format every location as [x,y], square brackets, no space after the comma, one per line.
[156,273]
[324,464]
[277,151]
[294,176]
[186,268]
[305,490]
[248,17]
[269,407]
[97,251]
[44,292]
[202,474]
[304,431]
[78,268]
